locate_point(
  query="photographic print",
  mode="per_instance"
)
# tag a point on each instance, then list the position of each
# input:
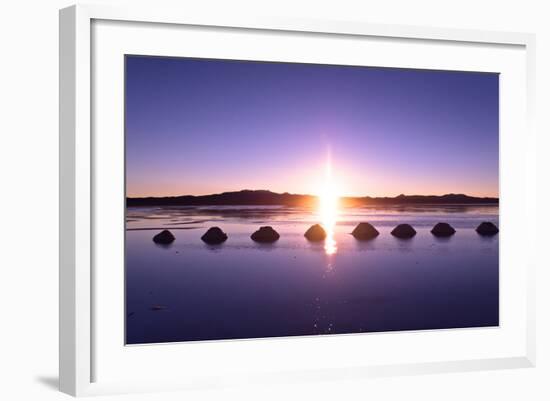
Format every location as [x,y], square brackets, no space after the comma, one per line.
[275,199]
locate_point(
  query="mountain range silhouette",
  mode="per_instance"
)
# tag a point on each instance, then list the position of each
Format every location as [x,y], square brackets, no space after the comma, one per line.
[268,198]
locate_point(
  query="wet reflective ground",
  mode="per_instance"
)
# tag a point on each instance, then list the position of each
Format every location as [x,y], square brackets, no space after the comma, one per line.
[191,291]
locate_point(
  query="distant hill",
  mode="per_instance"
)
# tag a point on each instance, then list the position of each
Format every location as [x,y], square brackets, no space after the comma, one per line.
[448,199]
[267,198]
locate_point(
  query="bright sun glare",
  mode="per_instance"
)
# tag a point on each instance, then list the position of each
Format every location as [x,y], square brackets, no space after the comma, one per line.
[328,208]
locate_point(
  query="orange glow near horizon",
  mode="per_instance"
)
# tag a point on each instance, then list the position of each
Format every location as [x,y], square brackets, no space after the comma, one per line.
[304,179]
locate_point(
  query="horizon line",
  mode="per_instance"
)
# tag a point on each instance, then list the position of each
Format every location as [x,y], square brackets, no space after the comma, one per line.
[301,194]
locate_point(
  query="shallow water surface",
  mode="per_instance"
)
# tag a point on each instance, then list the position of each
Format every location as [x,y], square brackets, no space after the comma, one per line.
[192,291]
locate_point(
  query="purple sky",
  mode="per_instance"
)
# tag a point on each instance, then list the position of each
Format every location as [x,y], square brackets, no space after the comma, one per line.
[197,126]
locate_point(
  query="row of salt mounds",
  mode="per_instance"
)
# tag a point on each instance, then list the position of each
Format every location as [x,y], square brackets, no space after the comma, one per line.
[362,232]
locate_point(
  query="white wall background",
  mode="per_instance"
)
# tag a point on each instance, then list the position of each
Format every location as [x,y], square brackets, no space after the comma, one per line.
[29,186]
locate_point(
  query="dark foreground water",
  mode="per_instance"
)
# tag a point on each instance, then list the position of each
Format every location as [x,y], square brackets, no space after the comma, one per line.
[191,291]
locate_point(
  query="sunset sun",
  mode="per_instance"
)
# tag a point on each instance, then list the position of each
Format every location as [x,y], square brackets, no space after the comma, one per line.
[328,208]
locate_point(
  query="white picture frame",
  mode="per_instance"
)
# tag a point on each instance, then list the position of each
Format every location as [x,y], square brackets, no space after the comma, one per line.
[77,168]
